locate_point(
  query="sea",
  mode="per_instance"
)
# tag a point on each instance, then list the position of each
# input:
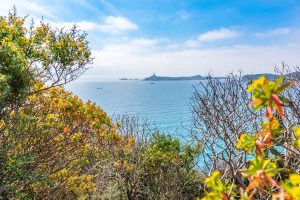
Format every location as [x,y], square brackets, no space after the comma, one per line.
[165,104]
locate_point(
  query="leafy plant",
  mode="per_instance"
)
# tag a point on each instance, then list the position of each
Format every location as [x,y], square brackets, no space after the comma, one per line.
[261,171]
[219,190]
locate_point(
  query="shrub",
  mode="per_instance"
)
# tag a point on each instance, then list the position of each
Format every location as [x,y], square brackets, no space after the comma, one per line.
[263,176]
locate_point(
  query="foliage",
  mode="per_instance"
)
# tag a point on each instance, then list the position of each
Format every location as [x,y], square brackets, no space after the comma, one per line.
[219,119]
[246,142]
[265,93]
[63,137]
[297,133]
[29,54]
[159,168]
[290,189]
[218,189]
[53,145]
[261,171]
[40,140]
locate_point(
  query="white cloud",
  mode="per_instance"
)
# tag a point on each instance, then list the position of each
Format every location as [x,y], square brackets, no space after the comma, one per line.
[143,42]
[37,10]
[83,25]
[274,32]
[137,46]
[134,60]
[25,7]
[172,46]
[192,43]
[116,25]
[111,24]
[220,34]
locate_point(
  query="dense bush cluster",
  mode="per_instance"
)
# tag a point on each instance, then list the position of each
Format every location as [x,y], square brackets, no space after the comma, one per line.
[156,167]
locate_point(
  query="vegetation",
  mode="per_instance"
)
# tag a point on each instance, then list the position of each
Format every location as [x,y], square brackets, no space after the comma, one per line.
[53,145]
[155,167]
[256,156]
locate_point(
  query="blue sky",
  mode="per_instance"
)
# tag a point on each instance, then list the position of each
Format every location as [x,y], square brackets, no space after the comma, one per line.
[133,38]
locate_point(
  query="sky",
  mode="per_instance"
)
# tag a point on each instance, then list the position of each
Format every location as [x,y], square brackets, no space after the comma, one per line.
[135,38]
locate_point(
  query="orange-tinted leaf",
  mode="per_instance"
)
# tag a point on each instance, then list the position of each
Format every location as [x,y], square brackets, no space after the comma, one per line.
[225,196]
[264,139]
[273,124]
[269,113]
[282,196]
[67,129]
[281,88]
[278,108]
[257,102]
[252,185]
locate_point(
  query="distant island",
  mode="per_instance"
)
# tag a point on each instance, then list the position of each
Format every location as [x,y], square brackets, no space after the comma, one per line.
[128,79]
[180,78]
[247,77]
[250,77]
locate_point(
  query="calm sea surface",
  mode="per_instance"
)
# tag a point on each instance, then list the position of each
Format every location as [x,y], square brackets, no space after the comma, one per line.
[165,103]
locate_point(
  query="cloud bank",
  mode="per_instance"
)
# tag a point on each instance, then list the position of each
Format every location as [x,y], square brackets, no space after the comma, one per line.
[111,25]
[134,60]
[220,34]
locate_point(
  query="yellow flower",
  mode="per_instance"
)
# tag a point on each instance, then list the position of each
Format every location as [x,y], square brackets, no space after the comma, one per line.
[297,134]
[260,81]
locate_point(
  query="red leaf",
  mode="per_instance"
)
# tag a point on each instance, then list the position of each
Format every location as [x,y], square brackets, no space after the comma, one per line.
[225,196]
[276,99]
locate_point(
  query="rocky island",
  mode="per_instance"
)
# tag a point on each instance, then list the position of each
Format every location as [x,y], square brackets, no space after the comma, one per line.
[180,78]
[247,77]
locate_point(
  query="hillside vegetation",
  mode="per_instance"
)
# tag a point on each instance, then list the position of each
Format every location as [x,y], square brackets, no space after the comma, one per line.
[55,146]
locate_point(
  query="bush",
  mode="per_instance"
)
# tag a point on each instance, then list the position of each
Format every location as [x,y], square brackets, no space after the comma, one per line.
[267,175]
[154,165]
[54,142]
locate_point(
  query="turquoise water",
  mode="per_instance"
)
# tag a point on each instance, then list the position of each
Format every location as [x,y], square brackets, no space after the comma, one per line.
[165,103]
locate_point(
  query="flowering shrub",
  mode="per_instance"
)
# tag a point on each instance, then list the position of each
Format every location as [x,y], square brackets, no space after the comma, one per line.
[37,52]
[54,141]
[263,168]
